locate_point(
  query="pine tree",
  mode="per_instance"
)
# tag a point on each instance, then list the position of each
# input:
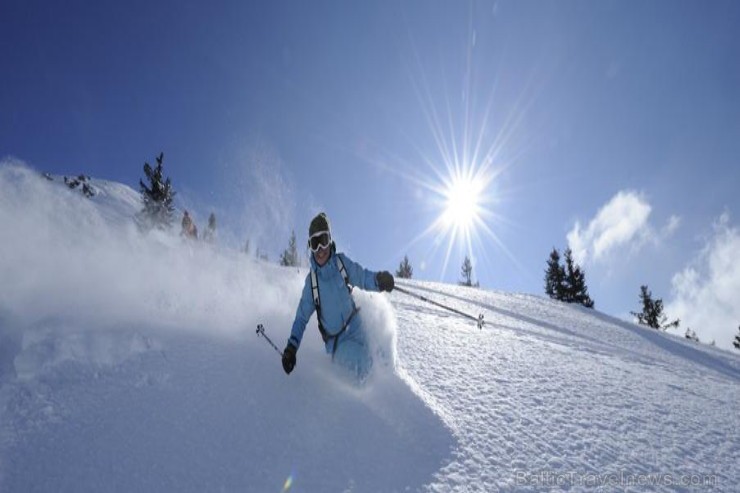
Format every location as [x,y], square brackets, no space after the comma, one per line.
[467,272]
[581,291]
[568,292]
[736,342]
[652,312]
[289,257]
[158,197]
[574,285]
[405,271]
[554,276]
[246,247]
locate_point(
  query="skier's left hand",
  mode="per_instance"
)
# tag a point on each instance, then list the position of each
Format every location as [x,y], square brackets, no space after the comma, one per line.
[289,358]
[385,281]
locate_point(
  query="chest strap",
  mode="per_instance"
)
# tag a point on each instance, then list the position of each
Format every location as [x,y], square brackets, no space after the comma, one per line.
[317,302]
[341,331]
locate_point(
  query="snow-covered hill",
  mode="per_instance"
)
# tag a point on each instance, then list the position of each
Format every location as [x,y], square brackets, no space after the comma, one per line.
[131,363]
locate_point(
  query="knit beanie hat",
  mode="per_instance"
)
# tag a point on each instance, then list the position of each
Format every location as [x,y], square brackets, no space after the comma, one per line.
[319,223]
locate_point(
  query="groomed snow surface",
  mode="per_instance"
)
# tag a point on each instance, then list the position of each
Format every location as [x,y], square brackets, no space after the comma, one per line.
[131,363]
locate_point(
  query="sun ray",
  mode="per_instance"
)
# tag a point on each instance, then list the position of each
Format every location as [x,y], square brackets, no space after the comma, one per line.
[460,172]
[450,244]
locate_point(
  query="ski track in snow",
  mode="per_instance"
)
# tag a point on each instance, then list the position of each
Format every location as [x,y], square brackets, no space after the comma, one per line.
[164,386]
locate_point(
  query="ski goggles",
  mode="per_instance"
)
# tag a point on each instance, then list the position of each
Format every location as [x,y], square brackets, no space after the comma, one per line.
[319,241]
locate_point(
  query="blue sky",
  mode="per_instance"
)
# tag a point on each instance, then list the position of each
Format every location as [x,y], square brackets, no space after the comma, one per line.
[610,126]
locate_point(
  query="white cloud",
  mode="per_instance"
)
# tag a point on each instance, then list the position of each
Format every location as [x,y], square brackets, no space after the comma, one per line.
[706,292]
[622,221]
[671,226]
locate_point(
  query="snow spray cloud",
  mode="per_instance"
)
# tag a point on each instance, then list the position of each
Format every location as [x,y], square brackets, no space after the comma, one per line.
[379,317]
[64,262]
[265,196]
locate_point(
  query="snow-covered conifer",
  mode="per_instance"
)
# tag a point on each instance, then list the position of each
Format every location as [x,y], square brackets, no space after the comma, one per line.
[652,312]
[467,272]
[554,276]
[289,257]
[574,286]
[405,271]
[157,197]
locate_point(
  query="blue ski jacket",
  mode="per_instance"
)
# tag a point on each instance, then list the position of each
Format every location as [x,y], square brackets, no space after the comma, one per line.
[337,305]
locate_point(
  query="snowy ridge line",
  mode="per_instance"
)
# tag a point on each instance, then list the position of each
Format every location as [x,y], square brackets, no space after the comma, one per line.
[713,359]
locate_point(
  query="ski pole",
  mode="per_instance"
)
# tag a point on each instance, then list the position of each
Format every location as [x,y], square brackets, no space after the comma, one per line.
[478,320]
[261,332]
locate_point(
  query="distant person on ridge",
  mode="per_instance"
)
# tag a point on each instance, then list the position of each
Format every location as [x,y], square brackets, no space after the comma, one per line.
[210,233]
[188,227]
[328,290]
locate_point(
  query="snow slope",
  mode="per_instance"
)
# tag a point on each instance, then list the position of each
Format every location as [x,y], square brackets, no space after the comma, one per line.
[131,363]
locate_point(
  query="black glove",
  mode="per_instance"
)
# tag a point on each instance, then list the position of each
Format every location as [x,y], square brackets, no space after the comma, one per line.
[385,281]
[289,358]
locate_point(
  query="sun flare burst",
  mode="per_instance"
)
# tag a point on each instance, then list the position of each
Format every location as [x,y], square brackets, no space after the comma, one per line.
[456,178]
[463,197]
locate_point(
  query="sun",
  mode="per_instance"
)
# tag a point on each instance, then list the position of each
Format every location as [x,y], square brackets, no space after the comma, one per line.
[463,202]
[456,175]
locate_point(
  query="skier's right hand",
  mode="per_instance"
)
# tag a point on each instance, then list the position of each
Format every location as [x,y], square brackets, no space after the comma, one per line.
[385,281]
[289,358]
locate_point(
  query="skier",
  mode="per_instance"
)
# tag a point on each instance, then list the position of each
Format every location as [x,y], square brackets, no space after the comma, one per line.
[328,290]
